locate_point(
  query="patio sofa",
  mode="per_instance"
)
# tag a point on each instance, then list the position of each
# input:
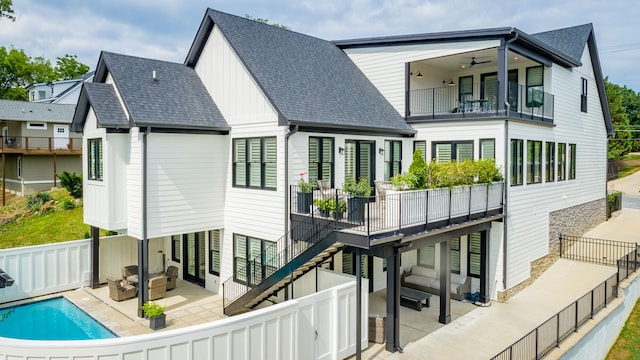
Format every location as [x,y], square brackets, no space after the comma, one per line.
[428,280]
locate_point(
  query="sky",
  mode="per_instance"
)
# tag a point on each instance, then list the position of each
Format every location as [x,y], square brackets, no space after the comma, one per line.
[164,29]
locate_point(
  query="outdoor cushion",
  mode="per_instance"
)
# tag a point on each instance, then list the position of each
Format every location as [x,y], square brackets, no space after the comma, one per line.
[458,279]
[418,280]
[423,271]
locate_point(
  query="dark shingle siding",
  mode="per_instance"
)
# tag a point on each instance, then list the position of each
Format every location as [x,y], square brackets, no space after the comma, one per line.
[176,98]
[106,105]
[308,79]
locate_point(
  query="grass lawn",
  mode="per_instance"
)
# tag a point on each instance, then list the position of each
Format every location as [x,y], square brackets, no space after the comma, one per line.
[628,344]
[26,227]
[628,170]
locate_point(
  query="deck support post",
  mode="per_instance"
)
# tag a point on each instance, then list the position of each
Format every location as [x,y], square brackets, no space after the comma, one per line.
[392,323]
[95,257]
[358,305]
[445,282]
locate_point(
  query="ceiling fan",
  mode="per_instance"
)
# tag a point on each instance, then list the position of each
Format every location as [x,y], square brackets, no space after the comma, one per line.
[474,62]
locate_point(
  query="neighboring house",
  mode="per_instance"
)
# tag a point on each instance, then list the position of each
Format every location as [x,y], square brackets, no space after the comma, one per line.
[59,92]
[202,159]
[35,144]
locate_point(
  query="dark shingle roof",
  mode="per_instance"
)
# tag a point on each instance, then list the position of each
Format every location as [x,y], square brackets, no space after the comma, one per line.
[570,41]
[309,81]
[31,111]
[106,105]
[176,98]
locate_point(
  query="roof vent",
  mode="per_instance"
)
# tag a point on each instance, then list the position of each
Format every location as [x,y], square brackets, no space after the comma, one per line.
[153,75]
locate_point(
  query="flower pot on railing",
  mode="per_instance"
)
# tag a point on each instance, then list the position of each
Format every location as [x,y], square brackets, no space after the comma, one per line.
[305,200]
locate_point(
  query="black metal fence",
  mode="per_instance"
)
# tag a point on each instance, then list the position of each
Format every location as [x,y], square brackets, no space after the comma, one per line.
[539,342]
[623,255]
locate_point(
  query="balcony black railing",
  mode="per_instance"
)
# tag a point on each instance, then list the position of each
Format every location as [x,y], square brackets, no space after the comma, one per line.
[480,100]
[398,210]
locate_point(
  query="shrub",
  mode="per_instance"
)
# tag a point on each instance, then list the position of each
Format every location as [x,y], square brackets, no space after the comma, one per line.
[71,182]
[153,309]
[68,205]
[418,170]
[448,174]
[35,201]
[353,188]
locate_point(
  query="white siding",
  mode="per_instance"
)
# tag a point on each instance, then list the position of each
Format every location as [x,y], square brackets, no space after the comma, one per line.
[385,65]
[231,86]
[529,205]
[134,184]
[186,181]
[96,193]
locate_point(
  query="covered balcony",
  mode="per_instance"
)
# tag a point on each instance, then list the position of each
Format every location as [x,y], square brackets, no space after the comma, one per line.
[474,85]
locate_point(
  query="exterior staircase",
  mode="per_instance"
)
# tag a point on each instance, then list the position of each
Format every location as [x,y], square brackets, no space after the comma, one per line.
[303,248]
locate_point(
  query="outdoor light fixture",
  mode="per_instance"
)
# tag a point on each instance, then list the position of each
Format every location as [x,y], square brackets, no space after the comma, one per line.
[380,151]
[341,150]
[418,75]
[451,83]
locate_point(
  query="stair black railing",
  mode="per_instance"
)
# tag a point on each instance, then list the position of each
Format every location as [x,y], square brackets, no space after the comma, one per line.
[270,260]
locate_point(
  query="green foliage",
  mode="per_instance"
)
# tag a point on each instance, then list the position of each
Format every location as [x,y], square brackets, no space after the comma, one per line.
[329,205]
[35,201]
[303,185]
[68,205]
[418,169]
[627,346]
[18,70]
[622,142]
[266,21]
[6,10]
[68,67]
[359,188]
[449,174]
[72,182]
[152,309]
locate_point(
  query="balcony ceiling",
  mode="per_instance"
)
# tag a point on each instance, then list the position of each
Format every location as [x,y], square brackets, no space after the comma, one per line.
[460,62]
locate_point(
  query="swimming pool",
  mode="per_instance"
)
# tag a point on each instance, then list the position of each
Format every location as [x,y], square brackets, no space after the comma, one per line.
[53,319]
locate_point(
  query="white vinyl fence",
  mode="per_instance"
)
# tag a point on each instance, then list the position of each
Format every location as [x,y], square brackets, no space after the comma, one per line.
[46,269]
[318,326]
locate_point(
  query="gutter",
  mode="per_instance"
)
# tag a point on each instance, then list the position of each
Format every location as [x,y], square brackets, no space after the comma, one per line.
[143,244]
[292,130]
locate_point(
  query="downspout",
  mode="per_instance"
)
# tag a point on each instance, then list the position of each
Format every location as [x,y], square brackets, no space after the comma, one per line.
[286,194]
[506,173]
[143,245]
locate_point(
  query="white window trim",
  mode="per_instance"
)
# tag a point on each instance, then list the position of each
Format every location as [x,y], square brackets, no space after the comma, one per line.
[37,125]
[19,167]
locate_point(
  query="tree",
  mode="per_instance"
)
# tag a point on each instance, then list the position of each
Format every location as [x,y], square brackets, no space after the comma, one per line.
[6,10]
[68,67]
[18,70]
[622,143]
[266,21]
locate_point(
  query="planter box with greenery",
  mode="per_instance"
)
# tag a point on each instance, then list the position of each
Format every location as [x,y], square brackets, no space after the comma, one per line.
[305,195]
[155,313]
[328,206]
[358,193]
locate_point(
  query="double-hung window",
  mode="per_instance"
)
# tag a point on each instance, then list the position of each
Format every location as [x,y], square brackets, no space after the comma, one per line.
[583,96]
[321,162]
[562,161]
[535,88]
[550,162]
[487,148]
[534,162]
[253,259]
[459,151]
[392,158]
[214,252]
[95,158]
[422,146]
[516,162]
[255,163]
[572,161]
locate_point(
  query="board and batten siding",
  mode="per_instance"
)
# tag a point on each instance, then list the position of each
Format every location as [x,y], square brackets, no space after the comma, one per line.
[530,204]
[134,184]
[231,86]
[95,197]
[186,177]
[384,66]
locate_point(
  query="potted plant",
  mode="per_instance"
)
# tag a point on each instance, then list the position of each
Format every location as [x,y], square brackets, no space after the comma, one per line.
[305,194]
[357,191]
[338,209]
[155,313]
[329,206]
[324,205]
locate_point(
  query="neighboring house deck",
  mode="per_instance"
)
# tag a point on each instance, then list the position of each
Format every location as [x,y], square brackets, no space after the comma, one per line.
[36,144]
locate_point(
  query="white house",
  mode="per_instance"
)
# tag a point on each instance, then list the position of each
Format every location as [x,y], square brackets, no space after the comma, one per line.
[201,159]
[60,91]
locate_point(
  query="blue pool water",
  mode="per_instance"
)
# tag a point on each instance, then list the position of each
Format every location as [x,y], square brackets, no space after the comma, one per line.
[54,319]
